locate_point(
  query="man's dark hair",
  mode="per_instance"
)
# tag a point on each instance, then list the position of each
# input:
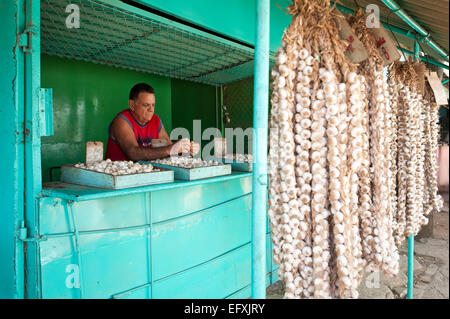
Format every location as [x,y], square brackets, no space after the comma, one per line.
[138,88]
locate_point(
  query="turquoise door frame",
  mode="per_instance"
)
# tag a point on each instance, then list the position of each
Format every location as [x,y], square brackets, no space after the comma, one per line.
[260,123]
[33,178]
[20,137]
[11,135]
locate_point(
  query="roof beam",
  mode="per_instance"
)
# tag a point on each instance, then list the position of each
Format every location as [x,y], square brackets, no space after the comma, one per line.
[391,4]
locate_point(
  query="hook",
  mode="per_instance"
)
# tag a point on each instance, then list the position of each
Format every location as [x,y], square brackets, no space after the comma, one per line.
[395,38]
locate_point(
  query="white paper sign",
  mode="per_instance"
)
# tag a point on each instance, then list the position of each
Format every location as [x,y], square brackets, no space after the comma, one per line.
[356,51]
[385,45]
[438,88]
[94,152]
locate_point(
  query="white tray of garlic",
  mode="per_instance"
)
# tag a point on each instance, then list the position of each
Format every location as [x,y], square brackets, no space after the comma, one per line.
[115,174]
[189,168]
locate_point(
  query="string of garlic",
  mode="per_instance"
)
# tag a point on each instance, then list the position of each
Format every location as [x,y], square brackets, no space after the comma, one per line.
[386,256]
[431,138]
[303,176]
[354,163]
[393,115]
[273,162]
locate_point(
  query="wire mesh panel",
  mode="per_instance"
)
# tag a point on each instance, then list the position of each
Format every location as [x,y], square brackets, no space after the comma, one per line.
[112,35]
[238,106]
[238,113]
[238,103]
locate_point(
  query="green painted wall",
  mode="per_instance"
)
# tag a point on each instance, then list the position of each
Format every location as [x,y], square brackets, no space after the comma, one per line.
[193,101]
[238,99]
[233,18]
[86,97]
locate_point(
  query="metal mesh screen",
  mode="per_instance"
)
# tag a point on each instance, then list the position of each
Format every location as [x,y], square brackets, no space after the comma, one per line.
[238,111]
[118,37]
[238,105]
[238,102]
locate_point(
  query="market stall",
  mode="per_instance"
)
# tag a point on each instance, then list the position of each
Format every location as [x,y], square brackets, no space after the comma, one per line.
[348,175]
[83,235]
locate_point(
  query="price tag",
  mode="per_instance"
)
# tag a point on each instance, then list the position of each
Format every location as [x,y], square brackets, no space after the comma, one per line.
[385,44]
[438,88]
[420,71]
[356,51]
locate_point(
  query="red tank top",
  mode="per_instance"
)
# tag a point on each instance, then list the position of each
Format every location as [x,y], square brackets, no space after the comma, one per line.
[143,133]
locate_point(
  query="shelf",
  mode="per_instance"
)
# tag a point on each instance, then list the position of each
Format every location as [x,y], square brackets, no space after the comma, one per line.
[121,35]
[81,193]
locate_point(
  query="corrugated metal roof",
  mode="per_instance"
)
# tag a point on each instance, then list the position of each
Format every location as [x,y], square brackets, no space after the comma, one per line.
[432,15]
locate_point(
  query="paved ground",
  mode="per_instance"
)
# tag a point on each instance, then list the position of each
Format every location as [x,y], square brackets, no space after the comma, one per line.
[431,268]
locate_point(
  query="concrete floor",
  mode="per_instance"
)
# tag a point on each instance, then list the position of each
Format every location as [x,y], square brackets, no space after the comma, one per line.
[431,268]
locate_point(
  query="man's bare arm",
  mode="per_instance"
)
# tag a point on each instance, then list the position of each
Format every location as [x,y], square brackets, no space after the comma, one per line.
[163,134]
[123,134]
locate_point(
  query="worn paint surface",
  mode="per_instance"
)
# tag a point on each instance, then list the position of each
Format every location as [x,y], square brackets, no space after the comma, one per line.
[11,139]
[172,243]
[74,175]
[72,123]
[86,97]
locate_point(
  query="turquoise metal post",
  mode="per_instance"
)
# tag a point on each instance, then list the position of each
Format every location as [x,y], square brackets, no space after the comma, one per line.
[416,50]
[411,237]
[410,266]
[12,19]
[259,147]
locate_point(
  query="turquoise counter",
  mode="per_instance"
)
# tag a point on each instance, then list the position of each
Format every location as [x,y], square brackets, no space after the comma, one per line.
[177,240]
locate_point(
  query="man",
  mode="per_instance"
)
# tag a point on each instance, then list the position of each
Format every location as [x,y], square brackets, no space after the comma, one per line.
[132,130]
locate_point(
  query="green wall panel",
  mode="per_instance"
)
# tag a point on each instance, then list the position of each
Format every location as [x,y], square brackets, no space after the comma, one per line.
[12,159]
[195,198]
[193,101]
[199,237]
[87,96]
[111,263]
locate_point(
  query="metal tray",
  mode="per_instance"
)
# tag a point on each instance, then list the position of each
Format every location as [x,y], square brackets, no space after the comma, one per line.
[190,174]
[81,176]
[235,166]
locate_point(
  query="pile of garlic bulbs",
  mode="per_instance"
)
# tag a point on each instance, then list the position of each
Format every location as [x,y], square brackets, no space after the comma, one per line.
[417,134]
[186,162]
[117,167]
[240,158]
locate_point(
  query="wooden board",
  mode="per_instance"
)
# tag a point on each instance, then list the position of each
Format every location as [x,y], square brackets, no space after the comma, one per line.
[190,174]
[81,176]
[94,152]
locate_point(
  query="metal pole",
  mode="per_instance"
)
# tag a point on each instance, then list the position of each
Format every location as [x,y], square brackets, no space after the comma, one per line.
[416,51]
[410,266]
[423,35]
[411,237]
[259,147]
[425,58]
[391,4]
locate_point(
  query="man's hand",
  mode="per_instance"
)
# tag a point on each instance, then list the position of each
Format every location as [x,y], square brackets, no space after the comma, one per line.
[195,147]
[182,146]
